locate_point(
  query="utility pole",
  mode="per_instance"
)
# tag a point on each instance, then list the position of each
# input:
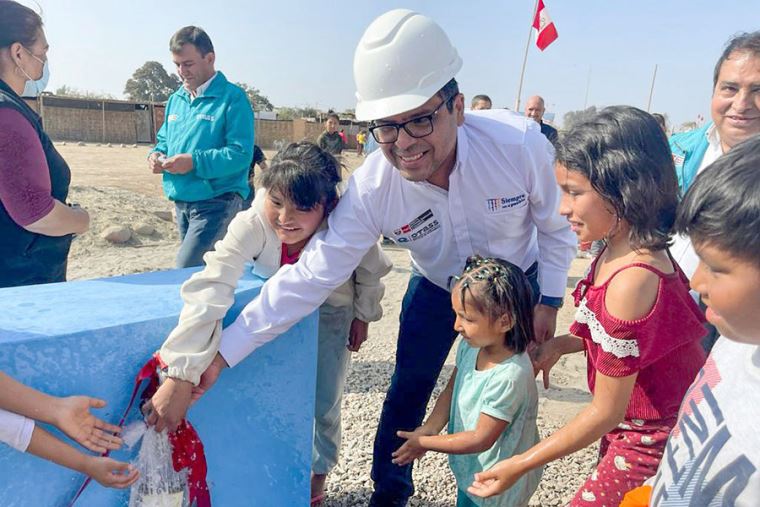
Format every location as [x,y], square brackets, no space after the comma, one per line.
[588,85]
[651,90]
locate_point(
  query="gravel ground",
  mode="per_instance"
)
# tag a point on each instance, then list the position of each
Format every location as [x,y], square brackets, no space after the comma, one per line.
[370,372]
[368,379]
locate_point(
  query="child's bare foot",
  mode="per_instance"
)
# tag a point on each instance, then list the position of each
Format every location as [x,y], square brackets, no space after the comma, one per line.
[317,488]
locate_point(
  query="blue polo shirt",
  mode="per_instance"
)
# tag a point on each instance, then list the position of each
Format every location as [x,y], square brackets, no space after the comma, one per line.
[217,129]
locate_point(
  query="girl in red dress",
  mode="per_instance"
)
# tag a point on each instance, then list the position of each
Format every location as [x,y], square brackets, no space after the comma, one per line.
[635,320]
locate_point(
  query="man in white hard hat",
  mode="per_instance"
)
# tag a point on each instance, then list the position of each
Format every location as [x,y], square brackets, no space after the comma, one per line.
[446,186]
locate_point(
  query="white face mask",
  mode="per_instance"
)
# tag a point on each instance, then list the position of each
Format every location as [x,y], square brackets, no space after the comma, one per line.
[34,87]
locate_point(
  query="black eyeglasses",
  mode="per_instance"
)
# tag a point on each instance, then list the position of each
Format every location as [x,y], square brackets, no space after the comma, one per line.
[416,127]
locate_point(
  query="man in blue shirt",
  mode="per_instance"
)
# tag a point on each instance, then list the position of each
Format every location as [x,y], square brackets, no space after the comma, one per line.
[204,148]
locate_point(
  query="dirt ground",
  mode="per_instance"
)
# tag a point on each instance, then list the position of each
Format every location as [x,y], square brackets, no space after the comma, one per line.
[98,169]
[115,185]
[127,167]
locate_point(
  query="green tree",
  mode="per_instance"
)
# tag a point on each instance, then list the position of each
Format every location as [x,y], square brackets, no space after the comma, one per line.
[310,112]
[294,113]
[70,91]
[287,113]
[258,101]
[151,82]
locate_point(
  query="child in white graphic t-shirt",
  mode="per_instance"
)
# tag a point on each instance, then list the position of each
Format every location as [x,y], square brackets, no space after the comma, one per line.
[713,454]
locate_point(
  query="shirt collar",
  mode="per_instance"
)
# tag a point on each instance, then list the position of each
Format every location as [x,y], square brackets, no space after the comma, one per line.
[713,137]
[753,361]
[463,147]
[202,88]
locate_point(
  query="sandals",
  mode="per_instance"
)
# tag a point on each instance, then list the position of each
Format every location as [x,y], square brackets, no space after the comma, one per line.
[317,500]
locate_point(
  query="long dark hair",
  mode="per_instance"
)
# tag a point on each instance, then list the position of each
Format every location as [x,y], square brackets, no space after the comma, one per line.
[496,288]
[304,174]
[624,153]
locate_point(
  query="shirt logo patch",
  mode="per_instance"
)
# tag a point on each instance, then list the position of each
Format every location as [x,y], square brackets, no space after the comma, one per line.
[206,117]
[417,228]
[171,117]
[498,204]
[678,160]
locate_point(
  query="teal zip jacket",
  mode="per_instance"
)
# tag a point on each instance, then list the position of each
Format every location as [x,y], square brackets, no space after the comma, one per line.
[217,129]
[688,149]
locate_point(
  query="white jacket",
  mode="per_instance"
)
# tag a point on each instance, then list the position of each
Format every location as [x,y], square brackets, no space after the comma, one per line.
[15,430]
[210,293]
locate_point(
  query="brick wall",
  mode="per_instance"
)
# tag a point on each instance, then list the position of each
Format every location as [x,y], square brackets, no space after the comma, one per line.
[88,125]
[270,134]
[70,119]
[270,131]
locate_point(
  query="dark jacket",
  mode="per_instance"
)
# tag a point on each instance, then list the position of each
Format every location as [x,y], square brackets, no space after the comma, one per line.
[28,258]
[550,132]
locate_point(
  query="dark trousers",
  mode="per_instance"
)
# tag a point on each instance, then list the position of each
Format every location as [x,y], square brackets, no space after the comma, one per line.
[426,333]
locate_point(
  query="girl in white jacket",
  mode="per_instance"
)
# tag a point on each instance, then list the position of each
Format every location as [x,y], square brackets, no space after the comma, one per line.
[299,190]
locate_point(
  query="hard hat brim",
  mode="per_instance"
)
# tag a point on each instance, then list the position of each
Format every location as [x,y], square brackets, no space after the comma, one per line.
[390,106]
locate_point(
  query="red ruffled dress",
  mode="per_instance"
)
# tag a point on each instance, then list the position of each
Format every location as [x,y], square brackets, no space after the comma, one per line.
[664,349]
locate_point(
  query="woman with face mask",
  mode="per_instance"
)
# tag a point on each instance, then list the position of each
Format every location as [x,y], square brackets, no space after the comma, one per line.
[36,224]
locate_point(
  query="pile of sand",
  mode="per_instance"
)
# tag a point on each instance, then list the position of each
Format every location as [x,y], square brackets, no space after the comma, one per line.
[93,257]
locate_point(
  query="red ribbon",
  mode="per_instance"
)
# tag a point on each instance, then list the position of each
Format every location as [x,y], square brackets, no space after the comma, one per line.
[187,448]
[187,452]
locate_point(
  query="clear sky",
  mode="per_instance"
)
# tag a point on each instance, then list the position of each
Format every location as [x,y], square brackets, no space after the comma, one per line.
[300,52]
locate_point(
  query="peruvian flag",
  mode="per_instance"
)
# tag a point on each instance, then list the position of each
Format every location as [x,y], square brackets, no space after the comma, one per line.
[546,32]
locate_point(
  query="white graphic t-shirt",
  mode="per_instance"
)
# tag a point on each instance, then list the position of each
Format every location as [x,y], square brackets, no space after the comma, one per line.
[712,457]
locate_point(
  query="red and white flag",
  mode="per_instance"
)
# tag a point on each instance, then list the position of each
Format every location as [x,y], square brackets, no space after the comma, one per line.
[546,32]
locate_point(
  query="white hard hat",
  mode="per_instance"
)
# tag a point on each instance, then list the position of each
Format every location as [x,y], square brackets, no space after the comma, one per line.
[401,61]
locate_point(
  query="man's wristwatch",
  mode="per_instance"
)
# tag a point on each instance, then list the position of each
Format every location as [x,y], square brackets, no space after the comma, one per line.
[554,302]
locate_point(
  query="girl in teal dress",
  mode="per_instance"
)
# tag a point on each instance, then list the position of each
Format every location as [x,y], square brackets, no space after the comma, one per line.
[491,400]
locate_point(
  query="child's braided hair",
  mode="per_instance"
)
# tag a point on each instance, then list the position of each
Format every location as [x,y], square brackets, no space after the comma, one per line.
[498,288]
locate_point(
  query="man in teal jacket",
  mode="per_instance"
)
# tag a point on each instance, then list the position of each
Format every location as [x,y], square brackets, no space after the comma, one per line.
[688,149]
[735,111]
[204,147]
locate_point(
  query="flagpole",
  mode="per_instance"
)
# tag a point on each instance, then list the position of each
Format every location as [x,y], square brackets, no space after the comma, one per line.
[588,85]
[651,90]
[525,60]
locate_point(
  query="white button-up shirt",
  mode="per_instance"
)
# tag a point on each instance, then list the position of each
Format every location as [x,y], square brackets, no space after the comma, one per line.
[502,202]
[682,249]
[201,89]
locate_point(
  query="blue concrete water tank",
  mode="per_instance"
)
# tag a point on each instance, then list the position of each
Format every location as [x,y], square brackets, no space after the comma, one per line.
[91,337]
